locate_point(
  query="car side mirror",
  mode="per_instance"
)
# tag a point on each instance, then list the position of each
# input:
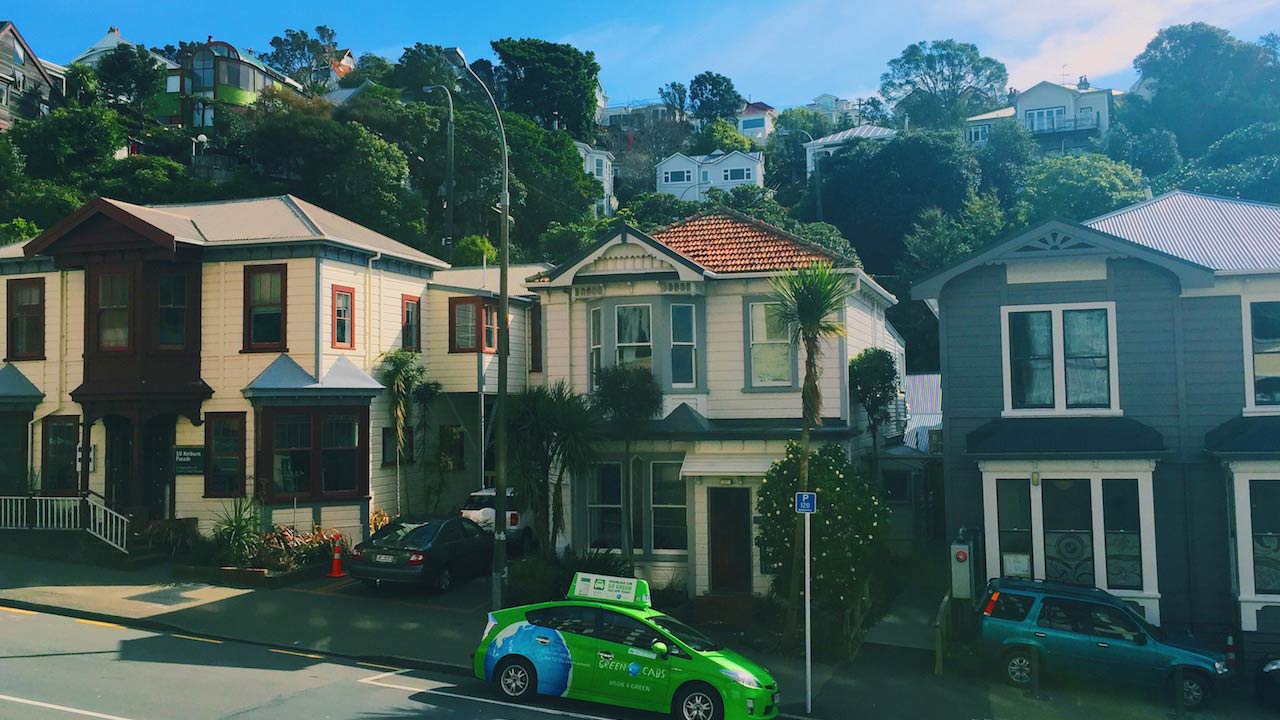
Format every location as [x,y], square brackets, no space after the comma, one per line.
[660,648]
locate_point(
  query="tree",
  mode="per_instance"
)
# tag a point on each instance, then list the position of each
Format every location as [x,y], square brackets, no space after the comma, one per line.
[420,66]
[82,85]
[68,142]
[628,396]
[303,57]
[939,240]
[874,191]
[128,76]
[676,97]
[1004,160]
[178,53]
[846,533]
[652,210]
[1154,152]
[402,374]
[554,84]
[147,179]
[17,230]
[940,83]
[369,67]
[549,184]
[41,202]
[810,300]
[423,398]
[712,96]
[1078,187]
[474,250]
[1245,163]
[873,385]
[786,170]
[1206,84]
[719,134]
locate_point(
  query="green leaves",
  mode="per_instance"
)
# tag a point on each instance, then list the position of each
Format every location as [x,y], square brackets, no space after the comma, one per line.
[712,96]
[1078,187]
[940,83]
[628,396]
[552,83]
[873,383]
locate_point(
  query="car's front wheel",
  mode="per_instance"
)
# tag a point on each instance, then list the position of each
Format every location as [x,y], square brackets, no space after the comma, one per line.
[697,702]
[516,679]
[1195,691]
[1019,667]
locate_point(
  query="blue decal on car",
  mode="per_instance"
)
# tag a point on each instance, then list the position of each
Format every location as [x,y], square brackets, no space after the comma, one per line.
[544,647]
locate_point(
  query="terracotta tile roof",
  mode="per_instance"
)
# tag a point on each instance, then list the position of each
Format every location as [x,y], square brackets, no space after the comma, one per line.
[728,242]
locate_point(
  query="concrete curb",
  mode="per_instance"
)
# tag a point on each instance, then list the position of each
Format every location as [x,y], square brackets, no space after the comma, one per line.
[400,662]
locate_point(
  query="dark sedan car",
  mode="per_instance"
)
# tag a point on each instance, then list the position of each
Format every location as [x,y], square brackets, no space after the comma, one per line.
[432,552]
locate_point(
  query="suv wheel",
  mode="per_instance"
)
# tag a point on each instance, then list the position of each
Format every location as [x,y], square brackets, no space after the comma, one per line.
[516,679]
[1195,691]
[1018,668]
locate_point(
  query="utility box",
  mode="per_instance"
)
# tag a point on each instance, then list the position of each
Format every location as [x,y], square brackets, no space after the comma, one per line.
[964,563]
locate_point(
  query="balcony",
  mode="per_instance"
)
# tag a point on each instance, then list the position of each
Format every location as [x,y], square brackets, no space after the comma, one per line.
[1062,125]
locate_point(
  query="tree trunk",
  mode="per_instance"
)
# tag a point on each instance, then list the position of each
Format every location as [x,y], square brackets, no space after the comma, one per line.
[627,540]
[875,457]
[557,511]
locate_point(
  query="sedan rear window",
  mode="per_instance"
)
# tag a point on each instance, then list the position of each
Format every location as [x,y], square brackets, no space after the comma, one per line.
[1009,606]
[405,534]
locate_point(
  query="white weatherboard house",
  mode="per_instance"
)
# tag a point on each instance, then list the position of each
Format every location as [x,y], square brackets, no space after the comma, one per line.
[756,120]
[689,177]
[201,353]
[692,302]
[599,164]
[1064,117]
[827,145]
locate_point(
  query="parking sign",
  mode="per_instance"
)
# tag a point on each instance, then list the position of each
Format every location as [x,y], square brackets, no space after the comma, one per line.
[807,502]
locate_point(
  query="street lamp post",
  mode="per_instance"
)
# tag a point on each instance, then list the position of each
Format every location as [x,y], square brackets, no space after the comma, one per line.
[448,201]
[499,571]
[817,171]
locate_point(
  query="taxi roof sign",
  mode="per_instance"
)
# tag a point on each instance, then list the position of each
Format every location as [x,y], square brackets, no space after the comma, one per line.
[632,592]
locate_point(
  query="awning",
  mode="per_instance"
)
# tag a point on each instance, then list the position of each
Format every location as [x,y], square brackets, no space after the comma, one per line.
[284,382]
[1065,437]
[17,393]
[702,464]
[1242,436]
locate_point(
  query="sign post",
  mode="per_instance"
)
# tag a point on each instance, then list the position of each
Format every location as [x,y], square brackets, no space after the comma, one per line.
[807,505]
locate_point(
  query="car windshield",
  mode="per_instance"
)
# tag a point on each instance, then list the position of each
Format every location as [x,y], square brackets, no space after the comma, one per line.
[399,533]
[478,502]
[685,634]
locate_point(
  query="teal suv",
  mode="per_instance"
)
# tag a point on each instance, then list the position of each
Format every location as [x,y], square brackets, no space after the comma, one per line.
[1063,629]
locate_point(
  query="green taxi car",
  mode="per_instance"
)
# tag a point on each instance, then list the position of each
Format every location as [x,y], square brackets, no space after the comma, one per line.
[606,644]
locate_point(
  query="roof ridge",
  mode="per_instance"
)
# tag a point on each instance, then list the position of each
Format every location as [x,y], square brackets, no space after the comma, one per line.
[291,202]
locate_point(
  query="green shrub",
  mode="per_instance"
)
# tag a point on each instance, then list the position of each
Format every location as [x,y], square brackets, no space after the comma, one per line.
[237,533]
[539,579]
[671,595]
[173,536]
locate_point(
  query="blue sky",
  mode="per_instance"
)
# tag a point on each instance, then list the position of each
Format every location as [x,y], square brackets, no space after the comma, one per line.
[781,52]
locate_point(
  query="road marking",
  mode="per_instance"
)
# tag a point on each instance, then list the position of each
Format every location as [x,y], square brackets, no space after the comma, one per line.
[376,680]
[299,654]
[99,623]
[197,639]
[376,666]
[17,611]
[63,708]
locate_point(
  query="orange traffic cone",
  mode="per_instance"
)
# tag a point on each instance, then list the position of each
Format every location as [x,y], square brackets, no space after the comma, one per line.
[335,570]
[1231,652]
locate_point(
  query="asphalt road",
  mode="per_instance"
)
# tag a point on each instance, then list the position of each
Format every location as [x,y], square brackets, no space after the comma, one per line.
[54,667]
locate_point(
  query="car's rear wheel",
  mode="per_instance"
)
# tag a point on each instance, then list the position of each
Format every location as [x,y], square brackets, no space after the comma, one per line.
[1019,667]
[697,702]
[444,579]
[516,679]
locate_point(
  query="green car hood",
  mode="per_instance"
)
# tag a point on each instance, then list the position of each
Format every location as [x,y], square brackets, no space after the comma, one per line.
[731,660]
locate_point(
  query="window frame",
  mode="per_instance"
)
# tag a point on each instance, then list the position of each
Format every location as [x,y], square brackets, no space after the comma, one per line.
[411,341]
[595,344]
[978,133]
[250,271]
[1244,473]
[535,337]
[746,174]
[1060,401]
[350,343]
[686,175]
[692,344]
[74,422]
[186,311]
[1251,405]
[211,419]
[98,311]
[483,307]
[590,506]
[618,345]
[4,94]
[389,441]
[655,506]
[11,290]
[751,342]
[266,422]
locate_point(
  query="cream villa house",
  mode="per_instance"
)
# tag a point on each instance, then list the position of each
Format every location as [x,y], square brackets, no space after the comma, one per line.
[691,301]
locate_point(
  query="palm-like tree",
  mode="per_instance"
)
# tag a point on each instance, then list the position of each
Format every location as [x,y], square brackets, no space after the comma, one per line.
[402,374]
[810,300]
[577,429]
[628,396]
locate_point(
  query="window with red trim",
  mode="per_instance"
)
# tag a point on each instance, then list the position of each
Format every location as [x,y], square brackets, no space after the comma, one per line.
[265,308]
[411,322]
[473,323]
[344,317]
[224,454]
[26,319]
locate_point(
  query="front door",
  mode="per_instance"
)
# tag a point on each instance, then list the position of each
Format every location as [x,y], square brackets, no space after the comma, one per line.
[729,539]
[13,453]
[119,461]
[157,470]
[628,672]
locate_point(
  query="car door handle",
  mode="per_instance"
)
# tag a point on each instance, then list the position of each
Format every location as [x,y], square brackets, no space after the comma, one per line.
[1103,645]
[544,640]
[1039,634]
[606,655]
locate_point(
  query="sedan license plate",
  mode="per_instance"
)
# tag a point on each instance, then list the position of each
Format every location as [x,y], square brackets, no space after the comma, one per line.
[383,558]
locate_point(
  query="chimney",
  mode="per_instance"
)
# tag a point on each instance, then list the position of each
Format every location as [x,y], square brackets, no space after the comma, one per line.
[210,39]
[113,30]
[1084,82]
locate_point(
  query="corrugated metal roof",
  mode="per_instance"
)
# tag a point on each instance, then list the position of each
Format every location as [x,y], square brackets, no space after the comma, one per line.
[993,115]
[923,393]
[870,132]
[1219,233]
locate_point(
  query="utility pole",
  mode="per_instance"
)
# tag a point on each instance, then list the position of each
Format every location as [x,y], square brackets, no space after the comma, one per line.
[450,181]
[499,571]
[817,170]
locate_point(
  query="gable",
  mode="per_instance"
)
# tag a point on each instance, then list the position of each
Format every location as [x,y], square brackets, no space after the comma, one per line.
[625,254]
[627,258]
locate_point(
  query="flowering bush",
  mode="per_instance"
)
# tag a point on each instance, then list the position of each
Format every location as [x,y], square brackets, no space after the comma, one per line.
[287,548]
[846,529]
[377,520]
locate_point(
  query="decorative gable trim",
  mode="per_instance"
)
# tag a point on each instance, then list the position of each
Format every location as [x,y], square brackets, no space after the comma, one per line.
[666,263]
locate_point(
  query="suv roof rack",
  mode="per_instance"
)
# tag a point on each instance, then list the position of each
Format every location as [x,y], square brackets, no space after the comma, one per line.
[1050,587]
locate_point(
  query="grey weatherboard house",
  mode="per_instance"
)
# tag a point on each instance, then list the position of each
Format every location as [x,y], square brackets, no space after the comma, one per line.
[1111,395]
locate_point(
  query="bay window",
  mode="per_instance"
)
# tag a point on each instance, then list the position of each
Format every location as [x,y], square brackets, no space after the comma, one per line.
[473,325]
[340,453]
[316,453]
[593,364]
[668,506]
[771,353]
[633,335]
[113,311]
[26,319]
[1060,359]
[683,346]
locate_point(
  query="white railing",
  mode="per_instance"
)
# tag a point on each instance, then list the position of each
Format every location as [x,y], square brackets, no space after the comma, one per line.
[108,525]
[13,513]
[65,513]
[56,513]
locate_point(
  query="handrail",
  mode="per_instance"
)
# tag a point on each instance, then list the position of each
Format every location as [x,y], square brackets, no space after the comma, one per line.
[65,512]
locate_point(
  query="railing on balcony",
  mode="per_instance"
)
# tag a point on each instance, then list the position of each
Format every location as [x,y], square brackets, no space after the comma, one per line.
[80,512]
[1061,124]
